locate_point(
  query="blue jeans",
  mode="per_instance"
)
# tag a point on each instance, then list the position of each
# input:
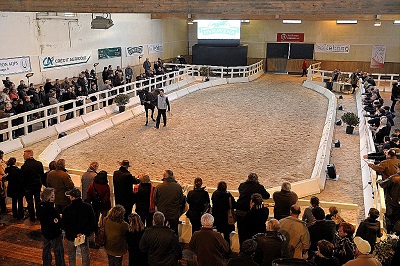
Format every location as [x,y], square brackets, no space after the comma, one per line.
[84,251]
[56,245]
[114,261]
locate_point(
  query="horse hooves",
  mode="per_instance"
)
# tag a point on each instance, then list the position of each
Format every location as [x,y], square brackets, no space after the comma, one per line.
[145,124]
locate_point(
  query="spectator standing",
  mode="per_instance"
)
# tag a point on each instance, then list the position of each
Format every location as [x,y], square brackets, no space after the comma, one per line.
[391,186]
[136,230]
[33,172]
[304,67]
[168,198]
[320,229]
[128,74]
[345,248]
[88,177]
[283,200]
[98,195]
[78,220]
[104,75]
[370,228]
[307,215]
[394,96]
[3,207]
[334,216]
[209,246]
[48,86]
[52,166]
[147,65]
[160,243]
[199,201]
[116,230]
[50,222]
[123,182]
[295,230]
[162,106]
[387,167]
[60,180]
[15,188]
[255,219]
[144,199]
[271,244]
[220,201]
[247,189]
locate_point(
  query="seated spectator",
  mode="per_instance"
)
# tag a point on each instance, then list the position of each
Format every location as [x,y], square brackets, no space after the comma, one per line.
[160,243]
[324,255]
[345,248]
[370,228]
[199,201]
[283,200]
[320,229]
[116,229]
[307,215]
[271,244]
[245,257]
[362,256]
[254,220]
[380,132]
[209,246]
[387,167]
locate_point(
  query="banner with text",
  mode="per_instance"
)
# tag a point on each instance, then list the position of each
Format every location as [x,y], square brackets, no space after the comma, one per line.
[15,65]
[64,60]
[155,48]
[134,50]
[378,56]
[332,48]
[290,37]
[106,53]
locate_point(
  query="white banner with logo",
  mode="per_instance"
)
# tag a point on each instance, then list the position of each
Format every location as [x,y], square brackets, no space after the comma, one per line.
[155,48]
[64,60]
[332,48]
[378,56]
[134,50]
[15,65]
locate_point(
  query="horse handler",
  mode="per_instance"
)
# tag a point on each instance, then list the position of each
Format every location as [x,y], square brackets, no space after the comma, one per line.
[162,106]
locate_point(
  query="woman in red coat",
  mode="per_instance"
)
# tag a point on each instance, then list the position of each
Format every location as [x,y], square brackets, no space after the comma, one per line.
[99,194]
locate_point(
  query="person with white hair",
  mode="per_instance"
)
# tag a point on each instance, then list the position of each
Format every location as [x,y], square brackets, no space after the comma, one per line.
[283,200]
[208,245]
[362,254]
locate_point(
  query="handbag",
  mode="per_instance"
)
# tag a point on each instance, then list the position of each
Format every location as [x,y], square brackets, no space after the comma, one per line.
[101,233]
[231,213]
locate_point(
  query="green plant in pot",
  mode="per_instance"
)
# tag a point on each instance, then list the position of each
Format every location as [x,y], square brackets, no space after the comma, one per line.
[121,100]
[205,72]
[352,120]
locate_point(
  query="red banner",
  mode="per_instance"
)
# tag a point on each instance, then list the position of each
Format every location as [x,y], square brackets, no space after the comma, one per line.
[290,37]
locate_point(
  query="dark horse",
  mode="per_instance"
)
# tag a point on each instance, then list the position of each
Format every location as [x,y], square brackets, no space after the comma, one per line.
[149,101]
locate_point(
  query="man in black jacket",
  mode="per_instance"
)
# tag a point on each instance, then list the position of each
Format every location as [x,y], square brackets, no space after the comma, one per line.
[33,172]
[160,243]
[78,220]
[123,182]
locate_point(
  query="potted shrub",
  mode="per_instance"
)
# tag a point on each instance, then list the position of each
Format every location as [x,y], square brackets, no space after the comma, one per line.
[205,72]
[121,100]
[352,120]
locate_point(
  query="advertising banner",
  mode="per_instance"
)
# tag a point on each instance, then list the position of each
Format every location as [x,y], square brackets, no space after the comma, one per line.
[64,60]
[156,48]
[332,48]
[134,50]
[378,56]
[106,53]
[15,65]
[290,37]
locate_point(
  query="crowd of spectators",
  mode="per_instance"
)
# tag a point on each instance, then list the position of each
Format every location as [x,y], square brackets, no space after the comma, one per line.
[150,234]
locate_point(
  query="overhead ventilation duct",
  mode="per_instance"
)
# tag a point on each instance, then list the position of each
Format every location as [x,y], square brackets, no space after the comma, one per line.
[102,22]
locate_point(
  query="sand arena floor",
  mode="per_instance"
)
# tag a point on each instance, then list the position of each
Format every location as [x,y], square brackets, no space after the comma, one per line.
[268,127]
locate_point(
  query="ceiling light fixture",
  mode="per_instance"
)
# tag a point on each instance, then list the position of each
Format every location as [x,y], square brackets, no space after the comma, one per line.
[346,21]
[291,21]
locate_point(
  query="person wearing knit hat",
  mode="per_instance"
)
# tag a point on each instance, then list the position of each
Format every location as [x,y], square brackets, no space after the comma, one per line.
[362,254]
